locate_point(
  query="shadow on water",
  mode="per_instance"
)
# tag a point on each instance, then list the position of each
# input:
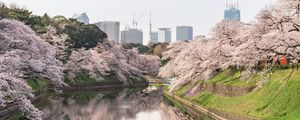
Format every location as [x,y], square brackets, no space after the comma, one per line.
[123,104]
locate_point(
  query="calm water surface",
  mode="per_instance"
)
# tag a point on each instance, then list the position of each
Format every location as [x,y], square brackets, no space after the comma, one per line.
[123,104]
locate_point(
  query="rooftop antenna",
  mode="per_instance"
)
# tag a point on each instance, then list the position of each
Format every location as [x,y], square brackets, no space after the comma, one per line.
[238,4]
[150,25]
[133,20]
[125,23]
[138,19]
[150,28]
[234,4]
[227,4]
[136,24]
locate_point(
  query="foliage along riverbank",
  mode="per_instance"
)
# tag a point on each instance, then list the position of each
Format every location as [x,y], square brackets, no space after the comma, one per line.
[277,98]
[84,82]
[77,98]
[42,89]
[233,70]
[58,49]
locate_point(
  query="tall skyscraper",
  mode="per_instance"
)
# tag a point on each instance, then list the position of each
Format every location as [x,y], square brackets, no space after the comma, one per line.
[82,18]
[184,33]
[164,35]
[154,37]
[111,28]
[232,12]
[131,36]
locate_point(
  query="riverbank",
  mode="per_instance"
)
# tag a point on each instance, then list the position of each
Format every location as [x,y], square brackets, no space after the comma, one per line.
[113,104]
[193,107]
[276,98]
[103,86]
[41,87]
[84,82]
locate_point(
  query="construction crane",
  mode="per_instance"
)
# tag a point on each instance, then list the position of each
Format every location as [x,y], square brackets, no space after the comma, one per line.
[135,21]
[150,28]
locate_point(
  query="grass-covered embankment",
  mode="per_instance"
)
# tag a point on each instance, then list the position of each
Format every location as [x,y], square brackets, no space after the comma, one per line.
[279,97]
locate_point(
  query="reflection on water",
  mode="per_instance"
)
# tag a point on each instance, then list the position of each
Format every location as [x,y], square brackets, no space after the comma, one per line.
[127,104]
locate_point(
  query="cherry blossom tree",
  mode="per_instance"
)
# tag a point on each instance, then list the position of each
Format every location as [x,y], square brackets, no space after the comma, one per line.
[112,59]
[274,33]
[58,41]
[23,53]
[202,58]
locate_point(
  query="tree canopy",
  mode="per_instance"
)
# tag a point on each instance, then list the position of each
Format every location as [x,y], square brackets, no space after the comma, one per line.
[22,53]
[80,35]
[274,33]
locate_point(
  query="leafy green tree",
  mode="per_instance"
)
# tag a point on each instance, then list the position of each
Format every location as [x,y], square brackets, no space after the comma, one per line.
[38,24]
[58,22]
[83,36]
[80,35]
[20,14]
[3,11]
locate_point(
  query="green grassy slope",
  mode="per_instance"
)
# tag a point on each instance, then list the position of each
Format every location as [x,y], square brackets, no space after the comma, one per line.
[279,98]
[232,78]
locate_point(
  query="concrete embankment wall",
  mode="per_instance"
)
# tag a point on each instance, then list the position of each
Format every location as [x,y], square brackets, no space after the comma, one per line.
[193,106]
[227,89]
[215,114]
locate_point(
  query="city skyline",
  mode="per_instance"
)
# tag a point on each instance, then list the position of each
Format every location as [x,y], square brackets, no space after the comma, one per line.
[164,13]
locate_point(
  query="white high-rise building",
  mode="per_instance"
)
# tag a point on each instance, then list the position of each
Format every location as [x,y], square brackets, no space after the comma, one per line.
[111,28]
[82,18]
[164,35]
[131,36]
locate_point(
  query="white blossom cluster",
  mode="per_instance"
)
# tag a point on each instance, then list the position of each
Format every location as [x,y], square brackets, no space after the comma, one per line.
[112,59]
[22,53]
[58,41]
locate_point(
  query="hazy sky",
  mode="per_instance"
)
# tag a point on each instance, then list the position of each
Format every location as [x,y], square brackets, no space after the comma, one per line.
[201,14]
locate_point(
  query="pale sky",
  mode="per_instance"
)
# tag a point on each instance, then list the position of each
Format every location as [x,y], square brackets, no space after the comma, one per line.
[201,14]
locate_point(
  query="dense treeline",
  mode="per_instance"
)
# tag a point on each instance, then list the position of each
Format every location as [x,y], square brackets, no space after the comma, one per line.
[55,50]
[80,35]
[273,35]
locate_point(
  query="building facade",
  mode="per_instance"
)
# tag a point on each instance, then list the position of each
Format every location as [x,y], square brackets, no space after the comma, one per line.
[164,35]
[82,18]
[111,28]
[232,13]
[131,36]
[184,33]
[154,37]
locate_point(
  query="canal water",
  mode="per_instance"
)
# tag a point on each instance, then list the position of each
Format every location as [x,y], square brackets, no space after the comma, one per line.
[117,104]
